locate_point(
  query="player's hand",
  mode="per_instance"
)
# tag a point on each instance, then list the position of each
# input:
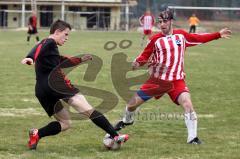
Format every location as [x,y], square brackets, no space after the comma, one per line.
[135,65]
[86,57]
[225,33]
[30,27]
[27,61]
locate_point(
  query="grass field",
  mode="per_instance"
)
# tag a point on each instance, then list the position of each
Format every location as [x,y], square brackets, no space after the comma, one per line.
[213,73]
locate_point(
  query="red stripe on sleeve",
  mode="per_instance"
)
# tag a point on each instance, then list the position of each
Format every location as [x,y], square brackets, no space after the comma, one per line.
[37,51]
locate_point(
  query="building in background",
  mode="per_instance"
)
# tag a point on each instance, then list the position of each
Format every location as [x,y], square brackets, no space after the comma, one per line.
[113,14]
[81,14]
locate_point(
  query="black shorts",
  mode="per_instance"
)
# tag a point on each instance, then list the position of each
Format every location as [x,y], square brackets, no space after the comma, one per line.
[33,31]
[50,99]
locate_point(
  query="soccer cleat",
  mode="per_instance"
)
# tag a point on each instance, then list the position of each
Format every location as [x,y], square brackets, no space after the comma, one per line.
[33,139]
[120,124]
[121,138]
[195,141]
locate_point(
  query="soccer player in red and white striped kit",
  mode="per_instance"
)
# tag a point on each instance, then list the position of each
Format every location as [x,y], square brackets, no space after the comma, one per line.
[165,57]
[147,21]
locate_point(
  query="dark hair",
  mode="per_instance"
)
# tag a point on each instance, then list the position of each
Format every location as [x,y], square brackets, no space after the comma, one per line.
[167,15]
[59,25]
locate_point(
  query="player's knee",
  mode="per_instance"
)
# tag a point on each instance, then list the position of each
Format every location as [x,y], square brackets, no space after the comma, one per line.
[187,105]
[66,124]
[73,99]
[79,97]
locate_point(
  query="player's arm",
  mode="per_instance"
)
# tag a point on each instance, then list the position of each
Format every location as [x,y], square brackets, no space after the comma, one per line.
[144,56]
[153,20]
[196,39]
[29,59]
[198,20]
[30,23]
[33,54]
[73,61]
[30,27]
[141,20]
[225,33]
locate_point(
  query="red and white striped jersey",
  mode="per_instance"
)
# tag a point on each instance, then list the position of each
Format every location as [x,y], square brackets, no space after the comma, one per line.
[165,54]
[147,21]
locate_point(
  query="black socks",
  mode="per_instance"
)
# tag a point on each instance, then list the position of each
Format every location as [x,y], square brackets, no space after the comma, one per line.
[97,118]
[100,120]
[52,128]
[37,38]
[28,38]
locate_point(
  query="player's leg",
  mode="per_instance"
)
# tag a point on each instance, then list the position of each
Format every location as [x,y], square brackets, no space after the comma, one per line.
[62,123]
[128,115]
[153,87]
[80,104]
[149,36]
[36,34]
[63,118]
[37,38]
[145,33]
[190,29]
[52,128]
[194,29]
[137,99]
[29,32]
[181,96]
[28,37]
[184,100]
[143,37]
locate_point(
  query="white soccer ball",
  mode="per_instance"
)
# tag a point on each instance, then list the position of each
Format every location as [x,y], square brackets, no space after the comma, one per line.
[110,143]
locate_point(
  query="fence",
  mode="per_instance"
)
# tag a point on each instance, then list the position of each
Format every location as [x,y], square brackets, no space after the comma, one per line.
[105,20]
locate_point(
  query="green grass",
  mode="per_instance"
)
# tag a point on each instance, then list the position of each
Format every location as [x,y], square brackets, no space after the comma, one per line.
[213,74]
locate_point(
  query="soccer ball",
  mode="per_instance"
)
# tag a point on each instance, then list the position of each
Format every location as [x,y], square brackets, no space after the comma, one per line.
[110,143]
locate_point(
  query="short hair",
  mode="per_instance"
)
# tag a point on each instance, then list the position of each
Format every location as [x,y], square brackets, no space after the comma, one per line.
[59,24]
[167,15]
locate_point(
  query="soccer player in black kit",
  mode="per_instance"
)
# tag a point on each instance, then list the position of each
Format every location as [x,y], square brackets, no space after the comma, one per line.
[50,79]
[32,27]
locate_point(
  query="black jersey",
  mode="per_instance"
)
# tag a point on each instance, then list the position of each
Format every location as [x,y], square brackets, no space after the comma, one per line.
[48,67]
[46,57]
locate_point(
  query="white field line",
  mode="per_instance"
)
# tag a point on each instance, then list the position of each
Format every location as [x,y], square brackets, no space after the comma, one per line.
[206,116]
[14,112]
[30,100]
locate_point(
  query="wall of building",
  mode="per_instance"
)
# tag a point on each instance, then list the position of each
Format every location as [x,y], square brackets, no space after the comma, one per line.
[57,15]
[115,18]
[78,21]
[14,19]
